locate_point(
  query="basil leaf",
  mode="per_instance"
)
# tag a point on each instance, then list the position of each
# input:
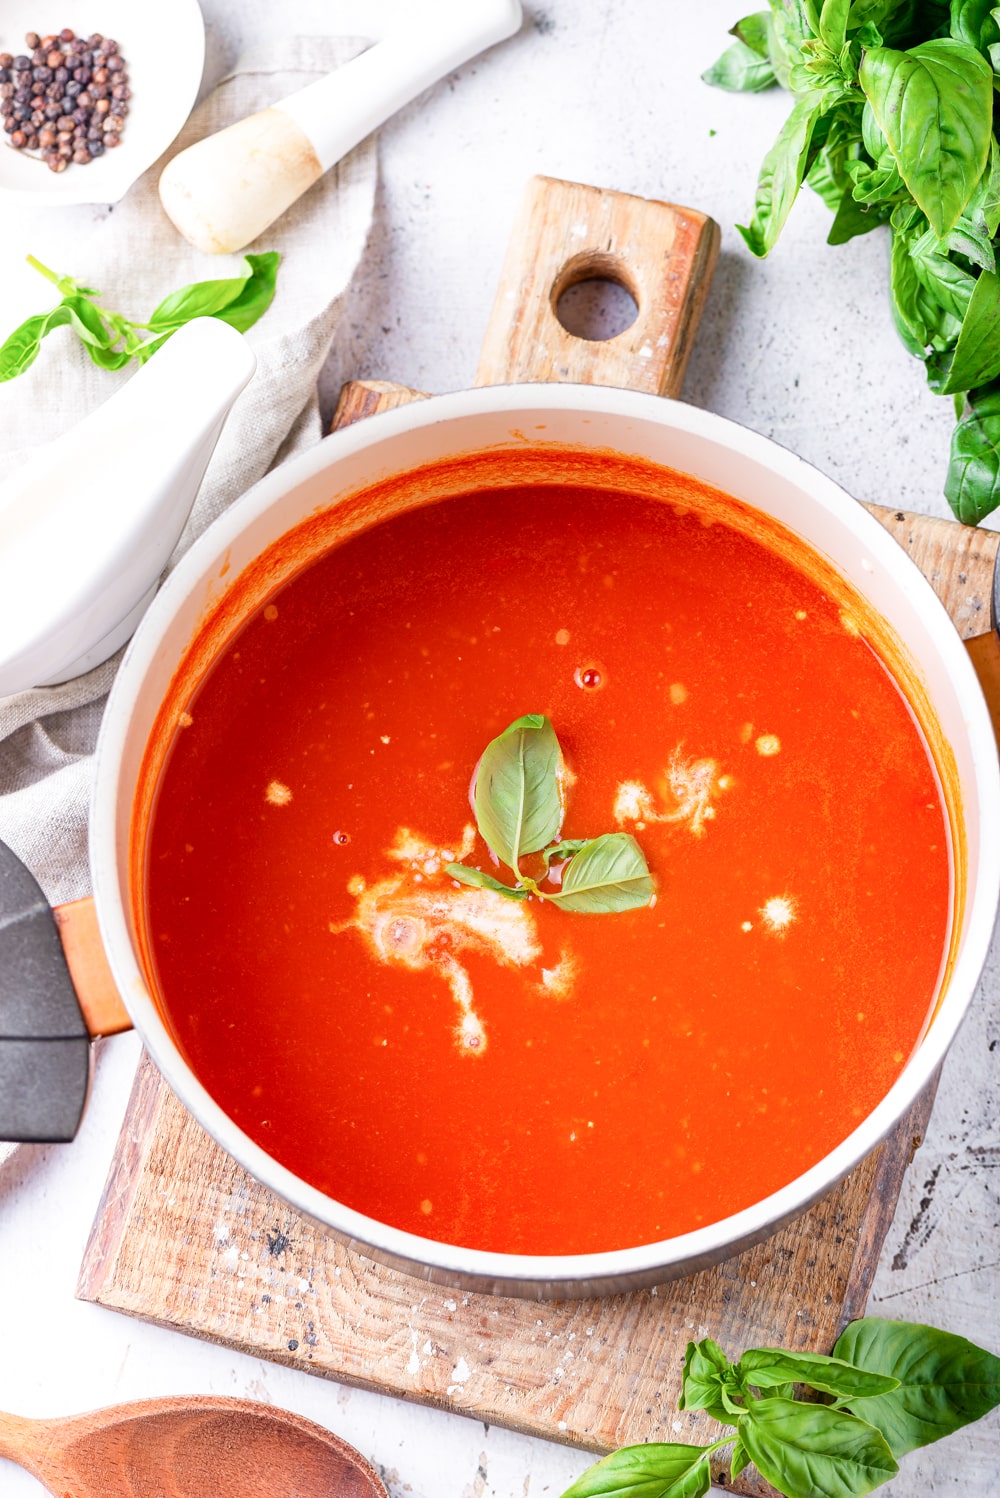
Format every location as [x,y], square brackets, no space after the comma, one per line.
[833,23]
[565,849]
[921,321]
[257,295]
[945,1382]
[766,1367]
[777,1391]
[239,300]
[738,1459]
[869,13]
[976,359]
[789,29]
[659,1469]
[476,877]
[705,1369]
[21,349]
[973,21]
[972,485]
[934,104]
[852,219]
[943,280]
[609,873]
[516,799]
[969,239]
[755,32]
[984,204]
[809,1449]
[875,184]
[827,177]
[781,175]
[740,70]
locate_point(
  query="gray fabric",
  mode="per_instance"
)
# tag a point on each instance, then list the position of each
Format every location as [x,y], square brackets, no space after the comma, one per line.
[134,255]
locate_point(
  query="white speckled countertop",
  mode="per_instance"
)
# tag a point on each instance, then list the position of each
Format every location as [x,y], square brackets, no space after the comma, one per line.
[800,348]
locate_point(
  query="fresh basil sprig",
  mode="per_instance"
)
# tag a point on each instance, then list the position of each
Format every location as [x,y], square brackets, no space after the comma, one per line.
[517,799]
[906,1385]
[893,122]
[112,340]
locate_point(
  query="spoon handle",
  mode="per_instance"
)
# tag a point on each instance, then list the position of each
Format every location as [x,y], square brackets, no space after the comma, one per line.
[24,1441]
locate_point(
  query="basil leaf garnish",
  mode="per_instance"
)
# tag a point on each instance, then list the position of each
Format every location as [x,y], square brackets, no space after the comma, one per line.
[657,1470]
[808,1449]
[933,103]
[768,1367]
[476,877]
[559,852]
[945,1382]
[608,874]
[516,799]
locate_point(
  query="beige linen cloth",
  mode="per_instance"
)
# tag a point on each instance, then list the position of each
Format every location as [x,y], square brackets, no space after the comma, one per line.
[135,257]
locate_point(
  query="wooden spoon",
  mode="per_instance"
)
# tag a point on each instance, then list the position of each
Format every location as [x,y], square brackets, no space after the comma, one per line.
[188,1447]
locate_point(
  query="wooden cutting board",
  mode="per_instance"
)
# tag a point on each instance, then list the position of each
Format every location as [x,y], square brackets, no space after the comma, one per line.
[186,1238]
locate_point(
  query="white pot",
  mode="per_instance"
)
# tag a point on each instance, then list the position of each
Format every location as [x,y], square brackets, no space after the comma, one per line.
[665,432]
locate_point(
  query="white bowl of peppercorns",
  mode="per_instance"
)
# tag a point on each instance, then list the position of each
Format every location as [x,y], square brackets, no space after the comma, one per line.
[86,107]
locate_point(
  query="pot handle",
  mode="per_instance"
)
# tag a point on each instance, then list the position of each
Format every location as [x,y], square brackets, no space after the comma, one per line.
[96,991]
[46,984]
[661,254]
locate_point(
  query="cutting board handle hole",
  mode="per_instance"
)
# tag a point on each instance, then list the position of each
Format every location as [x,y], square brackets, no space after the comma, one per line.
[594,297]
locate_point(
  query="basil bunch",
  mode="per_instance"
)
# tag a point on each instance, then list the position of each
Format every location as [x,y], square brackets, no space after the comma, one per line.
[892,1386]
[892,123]
[519,811]
[112,339]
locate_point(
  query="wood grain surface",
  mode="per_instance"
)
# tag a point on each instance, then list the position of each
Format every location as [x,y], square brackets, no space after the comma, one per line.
[184,1237]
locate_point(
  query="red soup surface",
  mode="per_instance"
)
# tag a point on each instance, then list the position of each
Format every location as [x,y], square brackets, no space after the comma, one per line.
[632,1076]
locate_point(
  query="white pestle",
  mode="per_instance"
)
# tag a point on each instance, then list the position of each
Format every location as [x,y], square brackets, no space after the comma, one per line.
[224,191]
[88,523]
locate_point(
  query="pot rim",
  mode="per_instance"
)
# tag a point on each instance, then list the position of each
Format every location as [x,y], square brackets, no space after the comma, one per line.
[425,1256]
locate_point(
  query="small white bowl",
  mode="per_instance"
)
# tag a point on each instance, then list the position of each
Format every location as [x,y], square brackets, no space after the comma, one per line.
[164,51]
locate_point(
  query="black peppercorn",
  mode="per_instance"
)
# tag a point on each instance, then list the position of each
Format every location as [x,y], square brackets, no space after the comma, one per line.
[66,99]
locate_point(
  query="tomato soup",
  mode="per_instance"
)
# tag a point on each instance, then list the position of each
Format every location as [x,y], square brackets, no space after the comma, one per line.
[510,1076]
